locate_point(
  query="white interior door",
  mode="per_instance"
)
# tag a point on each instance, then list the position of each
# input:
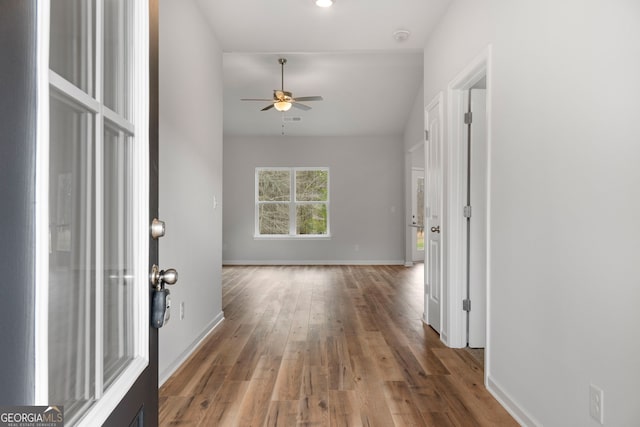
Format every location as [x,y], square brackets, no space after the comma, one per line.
[478,221]
[433,214]
[417,214]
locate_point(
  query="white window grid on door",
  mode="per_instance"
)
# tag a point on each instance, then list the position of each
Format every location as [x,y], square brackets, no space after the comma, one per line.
[49,83]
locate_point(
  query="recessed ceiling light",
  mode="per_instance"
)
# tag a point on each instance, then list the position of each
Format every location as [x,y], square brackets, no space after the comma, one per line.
[401,35]
[324,3]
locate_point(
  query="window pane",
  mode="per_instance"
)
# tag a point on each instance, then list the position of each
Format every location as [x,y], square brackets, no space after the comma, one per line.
[311,218]
[72,41]
[118,253]
[311,186]
[71,257]
[274,185]
[116,54]
[274,218]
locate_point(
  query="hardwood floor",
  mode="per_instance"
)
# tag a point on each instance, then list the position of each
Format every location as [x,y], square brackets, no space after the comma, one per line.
[327,346]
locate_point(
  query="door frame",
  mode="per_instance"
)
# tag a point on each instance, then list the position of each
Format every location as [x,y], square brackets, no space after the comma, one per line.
[478,68]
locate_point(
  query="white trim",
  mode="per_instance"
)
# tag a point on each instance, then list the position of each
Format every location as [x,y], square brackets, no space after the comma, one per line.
[42,209]
[173,367]
[313,262]
[102,408]
[456,187]
[118,120]
[72,92]
[139,113]
[292,237]
[98,139]
[511,405]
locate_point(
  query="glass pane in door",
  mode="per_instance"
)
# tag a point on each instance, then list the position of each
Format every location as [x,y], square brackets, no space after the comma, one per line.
[118,340]
[420,214]
[71,257]
[116,54]
[71,53]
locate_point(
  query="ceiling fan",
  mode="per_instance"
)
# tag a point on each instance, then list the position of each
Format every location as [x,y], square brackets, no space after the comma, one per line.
[283,100]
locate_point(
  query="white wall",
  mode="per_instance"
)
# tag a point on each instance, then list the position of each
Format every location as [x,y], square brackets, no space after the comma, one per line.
[366,196]
[190,176]
[565,235]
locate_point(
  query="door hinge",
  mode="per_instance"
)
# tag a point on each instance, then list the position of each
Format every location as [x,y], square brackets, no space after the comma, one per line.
[466,304]
[468,118]
[426,135]
[467,212]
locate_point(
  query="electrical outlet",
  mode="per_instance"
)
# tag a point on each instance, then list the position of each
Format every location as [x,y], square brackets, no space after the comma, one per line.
[596,403]
[182,310]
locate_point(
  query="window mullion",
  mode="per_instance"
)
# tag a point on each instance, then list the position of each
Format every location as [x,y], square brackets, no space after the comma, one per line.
[99,191]
[292,203]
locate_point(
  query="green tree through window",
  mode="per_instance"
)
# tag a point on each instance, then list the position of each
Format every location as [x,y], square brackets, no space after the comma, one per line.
[292,201]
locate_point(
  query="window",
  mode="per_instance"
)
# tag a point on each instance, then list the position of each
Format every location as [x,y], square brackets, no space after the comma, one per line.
[292,202]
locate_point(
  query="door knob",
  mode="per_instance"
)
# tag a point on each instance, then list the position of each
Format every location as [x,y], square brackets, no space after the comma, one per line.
[157,228]
[435,229]
[159,278]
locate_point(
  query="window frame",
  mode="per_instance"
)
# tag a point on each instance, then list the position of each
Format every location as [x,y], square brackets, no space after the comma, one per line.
[293,203]
[133,124]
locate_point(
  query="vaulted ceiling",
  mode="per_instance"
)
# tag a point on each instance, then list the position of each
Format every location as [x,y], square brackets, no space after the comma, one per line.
[346,53]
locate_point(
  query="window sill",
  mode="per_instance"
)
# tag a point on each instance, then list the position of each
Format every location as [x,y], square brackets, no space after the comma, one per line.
[290,237]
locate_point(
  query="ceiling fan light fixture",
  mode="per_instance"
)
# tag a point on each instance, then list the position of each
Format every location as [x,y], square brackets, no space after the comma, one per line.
[324,3]
[282,105]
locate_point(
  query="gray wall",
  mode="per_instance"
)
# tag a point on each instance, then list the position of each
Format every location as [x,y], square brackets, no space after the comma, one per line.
[366,195]
[17,192]
[564,234]
[190,176]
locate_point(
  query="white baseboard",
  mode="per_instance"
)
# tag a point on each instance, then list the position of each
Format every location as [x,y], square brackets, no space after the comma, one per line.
[408,264]
[173,367]
[312,262]
[520,414]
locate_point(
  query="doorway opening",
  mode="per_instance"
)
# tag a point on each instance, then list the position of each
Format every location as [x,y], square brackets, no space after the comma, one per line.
[417,214]
[468,205]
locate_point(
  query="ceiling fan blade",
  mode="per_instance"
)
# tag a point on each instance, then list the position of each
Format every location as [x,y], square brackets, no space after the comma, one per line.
[301,106]
[268,107]
[309,98]
[256,99]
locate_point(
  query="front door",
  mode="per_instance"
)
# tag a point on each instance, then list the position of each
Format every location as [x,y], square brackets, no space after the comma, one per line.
[99,355]
[433,223]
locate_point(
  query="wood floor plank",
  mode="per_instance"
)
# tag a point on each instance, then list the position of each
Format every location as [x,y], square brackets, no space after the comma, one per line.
[339,369]
[225,407]
[282,414]
[401,404]
[314,397]
[344,409]
[327,346]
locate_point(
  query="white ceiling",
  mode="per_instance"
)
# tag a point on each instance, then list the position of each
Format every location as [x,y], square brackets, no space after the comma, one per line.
[346,53]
